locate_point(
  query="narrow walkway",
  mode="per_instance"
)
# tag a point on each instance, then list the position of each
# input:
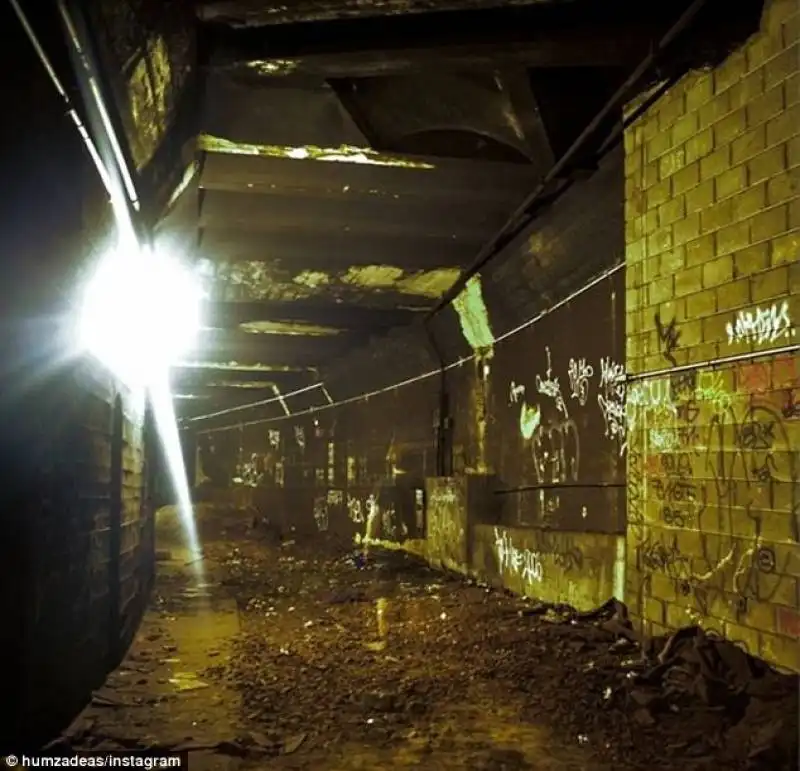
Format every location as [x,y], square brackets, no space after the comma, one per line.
[300,656]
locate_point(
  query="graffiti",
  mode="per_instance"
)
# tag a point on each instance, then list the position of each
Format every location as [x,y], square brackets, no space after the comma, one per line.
[668,337]
[551,387]
[300,437]
[335,497]
[660,556]
[515,392]
[612,401]
[764,559]
[529,420]
[274,438]
[711,389]
[557,449]
[560,547]
[579,375]
[675,489]
[756,435]
[763,325]
[524,562]
[791,407]
[636,492]
[321,513]
[388,528]
[355,511]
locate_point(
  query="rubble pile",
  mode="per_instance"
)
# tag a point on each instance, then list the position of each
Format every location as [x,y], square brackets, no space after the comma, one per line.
[327,671]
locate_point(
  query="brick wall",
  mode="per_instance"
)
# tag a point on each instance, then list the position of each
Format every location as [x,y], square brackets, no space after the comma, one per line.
[55,444]
[712,245]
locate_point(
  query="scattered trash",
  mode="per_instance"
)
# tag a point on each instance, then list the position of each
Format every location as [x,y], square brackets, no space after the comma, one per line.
[187,681]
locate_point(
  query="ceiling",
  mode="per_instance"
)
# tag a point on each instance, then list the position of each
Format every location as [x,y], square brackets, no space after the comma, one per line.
[353,158]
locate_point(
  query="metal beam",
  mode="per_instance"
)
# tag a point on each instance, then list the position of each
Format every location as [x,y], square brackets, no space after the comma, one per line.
[424,178]
[229,315]
[301,250]
[216,345]
[187,378]
[369,215]
[540,35]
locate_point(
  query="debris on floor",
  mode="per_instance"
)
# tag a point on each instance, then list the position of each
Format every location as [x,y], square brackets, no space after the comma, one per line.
[319,659]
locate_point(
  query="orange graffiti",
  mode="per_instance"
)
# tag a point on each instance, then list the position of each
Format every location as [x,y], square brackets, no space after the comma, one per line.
[753,378]
[788,622]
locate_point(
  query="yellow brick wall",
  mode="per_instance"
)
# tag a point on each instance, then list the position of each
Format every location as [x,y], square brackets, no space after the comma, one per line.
[713,271]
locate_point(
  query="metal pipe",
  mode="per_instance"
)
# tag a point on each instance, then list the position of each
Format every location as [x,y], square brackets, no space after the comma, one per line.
[521,217]
[71,111]
[556,486]
[441,466]
[90,81]
[720,360]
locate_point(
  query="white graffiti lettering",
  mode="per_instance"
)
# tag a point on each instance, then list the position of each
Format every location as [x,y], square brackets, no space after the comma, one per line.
[762,325]
[612,401]
[524,562]
[579,375]
[300,437]
[557,447]
[274,437]
[515,392]
[551,387]
[321,513]
[355,510]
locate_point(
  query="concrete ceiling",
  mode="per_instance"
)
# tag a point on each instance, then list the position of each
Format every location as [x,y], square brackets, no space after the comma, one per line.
[354,157]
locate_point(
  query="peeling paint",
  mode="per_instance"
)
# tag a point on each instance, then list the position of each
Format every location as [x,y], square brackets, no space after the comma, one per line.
[342,154]
[287,328]
[423,283]
[272,66]
[314,279]
[473,316]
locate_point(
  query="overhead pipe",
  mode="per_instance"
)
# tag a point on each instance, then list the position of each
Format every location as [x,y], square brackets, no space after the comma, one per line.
[522,216]
[72,112]
[103,119]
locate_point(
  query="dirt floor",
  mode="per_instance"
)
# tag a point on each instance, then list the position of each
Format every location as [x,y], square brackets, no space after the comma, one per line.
[306,656]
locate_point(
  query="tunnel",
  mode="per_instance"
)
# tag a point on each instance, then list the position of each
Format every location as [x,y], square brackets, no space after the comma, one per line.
[401,384]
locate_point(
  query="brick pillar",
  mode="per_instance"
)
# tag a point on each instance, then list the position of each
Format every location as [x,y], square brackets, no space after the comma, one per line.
[712,245]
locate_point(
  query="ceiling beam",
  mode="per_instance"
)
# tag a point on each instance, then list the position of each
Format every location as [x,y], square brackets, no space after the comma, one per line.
[300,250]
[186,378]
[432,178]
[228,315]
[375,215]
[245,348]
[539,35]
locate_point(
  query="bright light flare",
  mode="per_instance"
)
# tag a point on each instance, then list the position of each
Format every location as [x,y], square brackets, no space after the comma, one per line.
[140,313]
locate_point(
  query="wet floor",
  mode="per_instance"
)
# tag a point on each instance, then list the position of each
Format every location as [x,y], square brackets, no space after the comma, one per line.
[297,656]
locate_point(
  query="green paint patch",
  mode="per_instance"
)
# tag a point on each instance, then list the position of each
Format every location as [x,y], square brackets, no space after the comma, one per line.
[342,154]
[529,420]
[287,328]
[473,316]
